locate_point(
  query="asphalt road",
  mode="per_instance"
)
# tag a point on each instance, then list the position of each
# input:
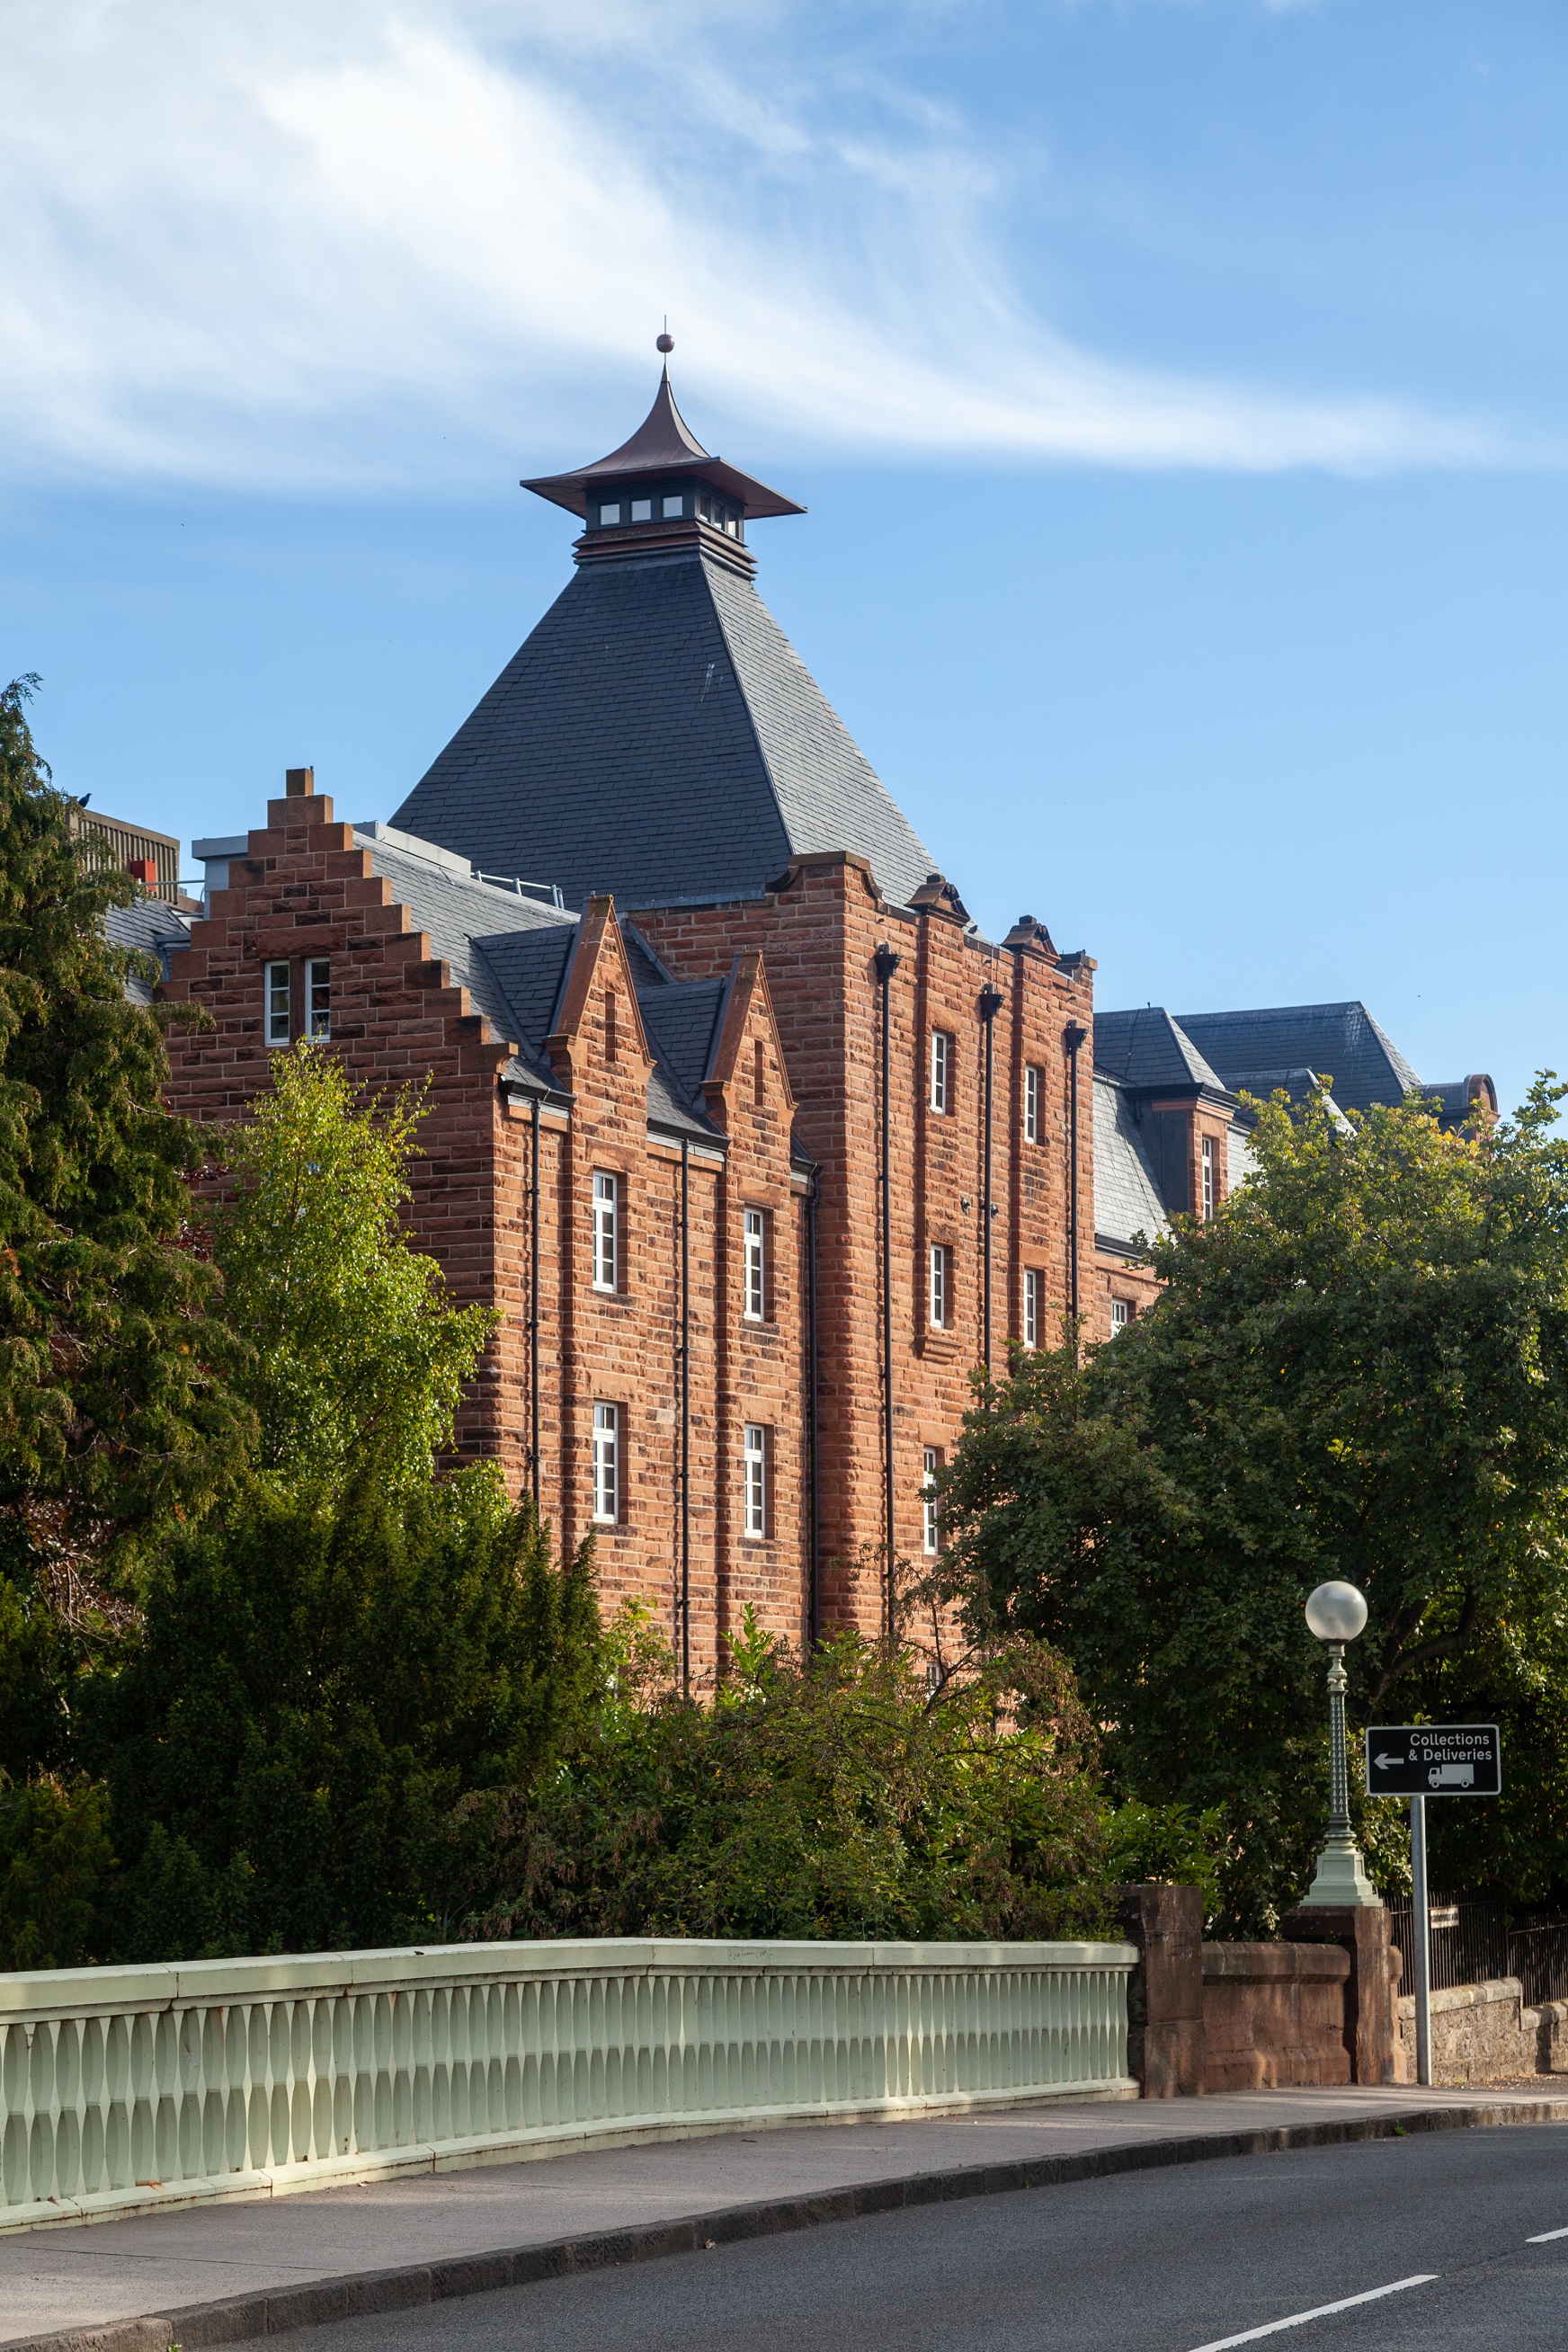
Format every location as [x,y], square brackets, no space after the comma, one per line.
[1157,2261]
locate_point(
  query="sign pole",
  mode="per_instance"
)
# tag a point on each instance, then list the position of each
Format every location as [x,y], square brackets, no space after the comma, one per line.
[1422,1939]
[1417,1760]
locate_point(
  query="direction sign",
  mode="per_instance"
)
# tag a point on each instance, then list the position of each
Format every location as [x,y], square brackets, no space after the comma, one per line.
[1434,1759]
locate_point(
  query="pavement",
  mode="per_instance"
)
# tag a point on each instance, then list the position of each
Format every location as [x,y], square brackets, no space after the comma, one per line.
[228,2271]
[1421,2245]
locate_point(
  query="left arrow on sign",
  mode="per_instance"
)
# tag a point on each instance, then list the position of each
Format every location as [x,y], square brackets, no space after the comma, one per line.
[1383,1762]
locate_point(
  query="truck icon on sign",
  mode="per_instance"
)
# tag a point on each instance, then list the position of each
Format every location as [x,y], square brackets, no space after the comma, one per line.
[1451,1776]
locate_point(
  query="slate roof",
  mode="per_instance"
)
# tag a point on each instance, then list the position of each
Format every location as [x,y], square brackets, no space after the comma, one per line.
[658,736]
[648,970]
[528,968]
[151,925]
[828,793]
[1147,1048]
[466,919]
[511,953]
[1126,1198]
[1342,1041]
[682,1022]
[1239,1161]
[1453,1103]
[1296,1083]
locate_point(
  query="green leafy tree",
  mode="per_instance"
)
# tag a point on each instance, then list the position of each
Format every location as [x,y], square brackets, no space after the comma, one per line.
[1359,1369]
[828,1798]
[317,1686]
[354,1347]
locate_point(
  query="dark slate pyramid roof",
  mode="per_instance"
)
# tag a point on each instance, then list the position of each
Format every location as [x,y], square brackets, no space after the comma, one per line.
[658,736]
[1342,1041]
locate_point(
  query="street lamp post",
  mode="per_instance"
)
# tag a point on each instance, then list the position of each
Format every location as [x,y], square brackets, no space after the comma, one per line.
[1336,1615]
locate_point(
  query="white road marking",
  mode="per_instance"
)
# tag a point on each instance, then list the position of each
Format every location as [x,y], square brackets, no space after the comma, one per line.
[1322,2311]
[1546,2237]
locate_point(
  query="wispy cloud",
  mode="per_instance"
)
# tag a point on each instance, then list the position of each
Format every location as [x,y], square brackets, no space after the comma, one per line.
[289,243]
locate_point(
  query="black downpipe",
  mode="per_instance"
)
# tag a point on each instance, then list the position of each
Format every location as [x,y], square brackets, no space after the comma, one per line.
[533,1307]
[1074,1035]
[887,965]
[812,1421]
[990,1005]
[685,1418]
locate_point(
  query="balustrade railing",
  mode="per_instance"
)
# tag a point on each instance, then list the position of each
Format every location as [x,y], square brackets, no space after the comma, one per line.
[123,2088]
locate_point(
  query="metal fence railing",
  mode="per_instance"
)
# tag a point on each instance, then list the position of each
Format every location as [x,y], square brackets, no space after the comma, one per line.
[1472,1939]
[1538,1956]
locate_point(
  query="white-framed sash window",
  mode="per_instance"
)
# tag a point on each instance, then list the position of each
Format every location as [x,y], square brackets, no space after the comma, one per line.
[606,1237]
[1211,1190]
[607,1464]
[756,1475]
[756,1265]
[277,986]
[940,1286]
[1032,1303]
[1032,1102]
[931,1530]
[318,1000]
[941,1070]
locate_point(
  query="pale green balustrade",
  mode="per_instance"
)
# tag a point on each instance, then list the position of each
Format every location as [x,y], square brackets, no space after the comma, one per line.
[123,2088]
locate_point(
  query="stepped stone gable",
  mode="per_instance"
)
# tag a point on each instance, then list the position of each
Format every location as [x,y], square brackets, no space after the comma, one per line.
[669,1006]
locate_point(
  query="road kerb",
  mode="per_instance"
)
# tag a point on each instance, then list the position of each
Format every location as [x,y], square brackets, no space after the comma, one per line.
[237,2320]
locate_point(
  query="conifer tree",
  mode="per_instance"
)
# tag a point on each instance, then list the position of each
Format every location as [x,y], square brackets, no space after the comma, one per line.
[317,1686]
[114,1415]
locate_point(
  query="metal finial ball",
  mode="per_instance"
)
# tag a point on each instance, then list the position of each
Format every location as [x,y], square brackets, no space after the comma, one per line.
[664,342]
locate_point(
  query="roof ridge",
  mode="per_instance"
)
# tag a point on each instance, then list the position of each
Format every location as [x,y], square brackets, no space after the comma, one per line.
[1200,1068]
[630,931]
[746,699]
[446,868]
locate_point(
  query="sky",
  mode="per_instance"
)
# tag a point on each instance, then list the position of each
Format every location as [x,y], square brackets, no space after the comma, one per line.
[1178,389]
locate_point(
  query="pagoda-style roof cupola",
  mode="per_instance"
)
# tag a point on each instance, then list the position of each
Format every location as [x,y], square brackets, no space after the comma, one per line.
[656,735]
[662,491]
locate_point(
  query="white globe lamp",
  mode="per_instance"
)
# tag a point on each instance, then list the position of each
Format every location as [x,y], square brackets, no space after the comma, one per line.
[1336,1613]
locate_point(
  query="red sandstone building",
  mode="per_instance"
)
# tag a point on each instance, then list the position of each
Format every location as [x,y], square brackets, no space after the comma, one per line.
[758,1146]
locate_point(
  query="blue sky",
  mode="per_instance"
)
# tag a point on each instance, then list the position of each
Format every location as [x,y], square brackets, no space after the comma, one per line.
[1177,387]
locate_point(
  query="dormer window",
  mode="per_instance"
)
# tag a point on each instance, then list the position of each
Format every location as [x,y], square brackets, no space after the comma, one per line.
[674,505]
[610,514]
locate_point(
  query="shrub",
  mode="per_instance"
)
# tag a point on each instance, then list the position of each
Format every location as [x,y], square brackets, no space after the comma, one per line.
[829,1797]
[54,1858]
